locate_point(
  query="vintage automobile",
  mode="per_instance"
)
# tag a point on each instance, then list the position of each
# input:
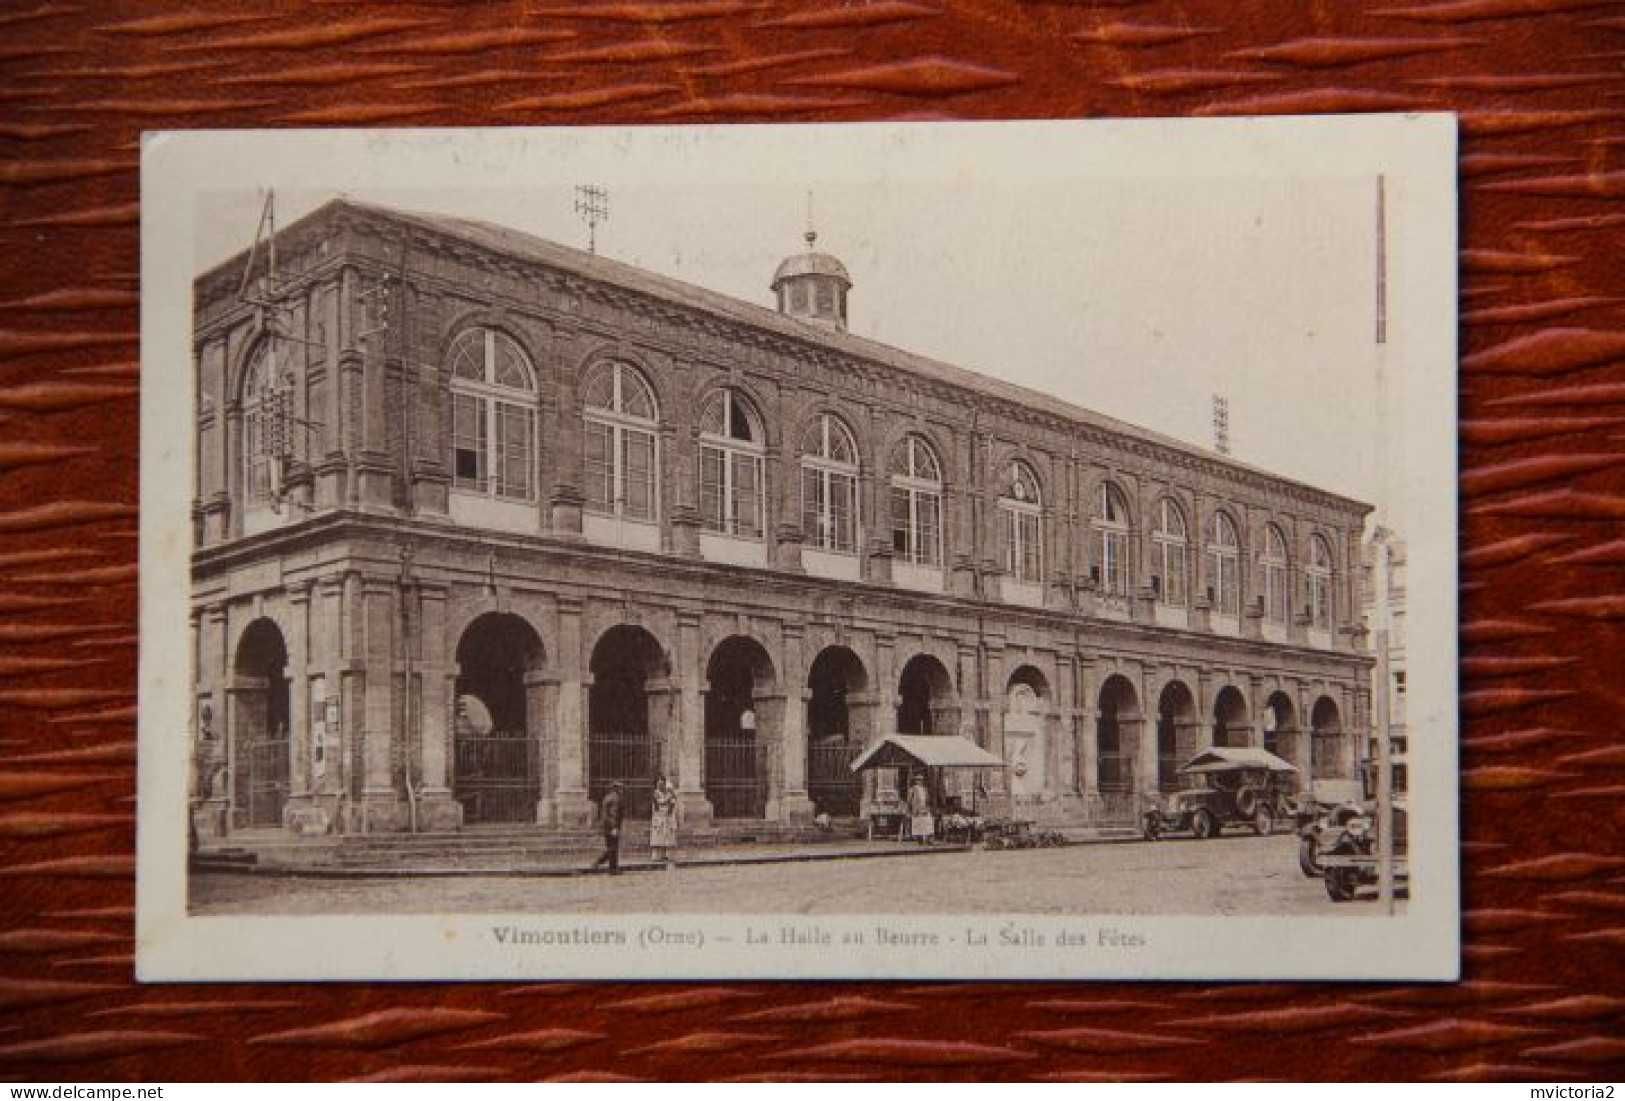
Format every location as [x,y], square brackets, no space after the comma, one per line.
[1230,785]
[1349,860]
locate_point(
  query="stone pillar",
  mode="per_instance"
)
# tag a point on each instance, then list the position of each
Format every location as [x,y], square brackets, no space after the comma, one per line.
[690,674]
[436,695]
[212,809]
[1145,763]
[381,806]
[795,805]
[571,806]
[299,716]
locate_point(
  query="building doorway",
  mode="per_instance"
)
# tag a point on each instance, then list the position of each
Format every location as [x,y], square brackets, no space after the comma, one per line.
[261,748]
[1116,744]
[836,677]
[1281,727]
[496,755]
[627,664]
[738,679]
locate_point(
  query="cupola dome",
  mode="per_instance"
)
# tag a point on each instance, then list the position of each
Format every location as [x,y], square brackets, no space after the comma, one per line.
[812,286]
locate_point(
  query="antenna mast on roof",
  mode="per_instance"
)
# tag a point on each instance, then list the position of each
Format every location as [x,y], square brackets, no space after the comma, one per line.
[592,207]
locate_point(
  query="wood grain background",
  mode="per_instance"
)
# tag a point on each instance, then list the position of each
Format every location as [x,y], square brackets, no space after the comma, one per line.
[1539,86]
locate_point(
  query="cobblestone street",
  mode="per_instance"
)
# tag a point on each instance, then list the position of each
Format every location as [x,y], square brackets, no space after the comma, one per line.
[1231,875]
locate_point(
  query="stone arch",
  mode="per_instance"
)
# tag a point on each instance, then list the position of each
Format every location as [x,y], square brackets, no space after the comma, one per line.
[744,714]
[1280,724]
[1330,749]
[1230,720]
[499,719]
[840,709]
[1117,735]
[261,711]
[629,714]
[926,700]
[1178,731]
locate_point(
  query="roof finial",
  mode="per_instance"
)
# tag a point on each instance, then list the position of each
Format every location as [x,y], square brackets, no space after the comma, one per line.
[811,236]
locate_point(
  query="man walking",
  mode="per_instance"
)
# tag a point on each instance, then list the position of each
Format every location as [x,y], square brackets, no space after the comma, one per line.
[609,818]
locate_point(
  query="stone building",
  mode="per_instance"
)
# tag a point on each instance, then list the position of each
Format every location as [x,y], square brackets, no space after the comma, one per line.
[484,523]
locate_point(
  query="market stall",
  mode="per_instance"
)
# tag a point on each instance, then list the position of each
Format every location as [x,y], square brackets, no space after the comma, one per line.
[926,761]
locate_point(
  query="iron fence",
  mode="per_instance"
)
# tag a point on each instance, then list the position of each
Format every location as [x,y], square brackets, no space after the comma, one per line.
[633,759]
[262,783]
[496,776]
[831,784]
[736,777]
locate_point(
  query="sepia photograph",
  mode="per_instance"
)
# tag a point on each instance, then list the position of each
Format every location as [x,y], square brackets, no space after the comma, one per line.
[943,550]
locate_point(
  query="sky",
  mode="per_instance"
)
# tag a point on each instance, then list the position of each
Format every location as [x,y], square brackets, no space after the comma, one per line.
[1137,297]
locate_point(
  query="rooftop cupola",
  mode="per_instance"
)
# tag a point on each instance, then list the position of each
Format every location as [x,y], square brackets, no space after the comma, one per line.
[812,286]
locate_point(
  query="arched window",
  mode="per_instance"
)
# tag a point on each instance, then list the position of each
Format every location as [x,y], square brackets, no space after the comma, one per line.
[731,449]
[264,426]
[493,416]
[1224,565]
[1277,596]
[620,450]
[1319,576]
[1021,512]
[916,503]
[1169,542]
[829,486]
[1109,528]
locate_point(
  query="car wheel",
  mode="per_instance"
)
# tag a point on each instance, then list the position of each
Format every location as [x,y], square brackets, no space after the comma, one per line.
[1203,825]
[1309,856]
[1264,821]
[1339,884]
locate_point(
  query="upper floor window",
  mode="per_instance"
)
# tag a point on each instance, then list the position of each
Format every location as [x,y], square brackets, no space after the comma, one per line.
[731,449]
[916,503]
[1169,541]
[1224,565]
[620,451]
[493,416]
[1021,511]
[1319,575]
[829,486]
[265,427]
[1109,531]
[1277,598]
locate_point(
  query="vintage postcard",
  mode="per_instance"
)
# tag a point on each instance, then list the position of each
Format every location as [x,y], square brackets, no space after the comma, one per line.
[961,550]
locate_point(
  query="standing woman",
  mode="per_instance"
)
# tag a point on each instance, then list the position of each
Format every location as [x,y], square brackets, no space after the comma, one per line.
[663,821]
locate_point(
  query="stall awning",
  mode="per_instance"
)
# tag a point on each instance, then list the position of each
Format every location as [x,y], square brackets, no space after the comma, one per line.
[1222,758]
[925,751]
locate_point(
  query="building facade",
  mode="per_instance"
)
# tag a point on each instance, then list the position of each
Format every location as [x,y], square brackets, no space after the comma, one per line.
[484,524]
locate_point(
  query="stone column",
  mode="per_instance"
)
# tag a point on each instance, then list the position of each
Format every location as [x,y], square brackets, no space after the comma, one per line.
[437,689]
[211,814]
[690,743]
[380,802]
[771,712]
[795,806]
[296,815]
[571,806]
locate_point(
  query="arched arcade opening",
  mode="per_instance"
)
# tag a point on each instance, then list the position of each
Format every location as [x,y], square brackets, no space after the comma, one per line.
[836,680]
[497,731]
[260,745]
[739,682]
[630,683]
